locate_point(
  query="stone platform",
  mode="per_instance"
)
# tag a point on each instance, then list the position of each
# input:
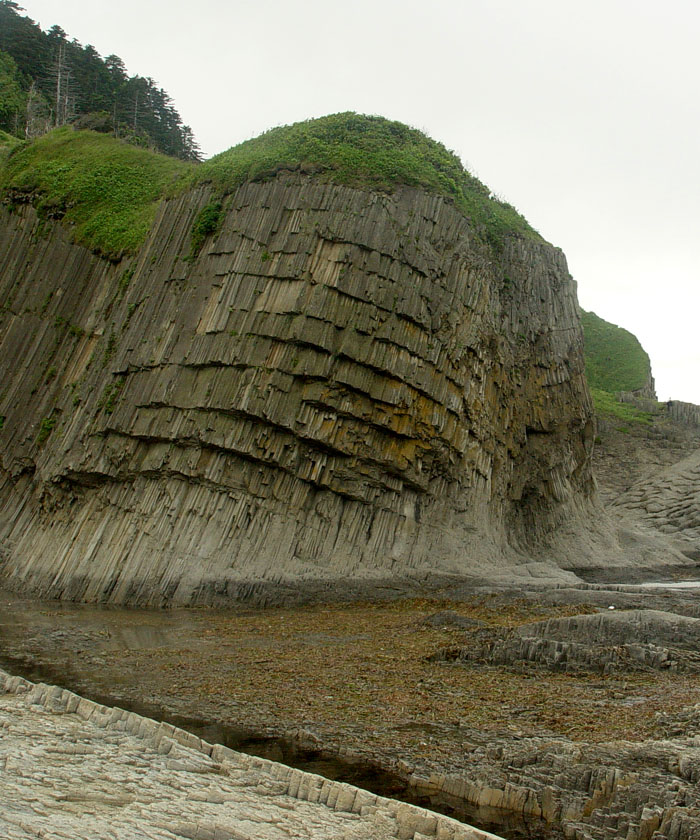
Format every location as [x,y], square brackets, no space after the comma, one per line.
[71,768]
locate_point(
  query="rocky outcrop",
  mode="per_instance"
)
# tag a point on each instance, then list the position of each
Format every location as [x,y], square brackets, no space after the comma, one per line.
[687,414]
[604,642]
[340,386]
[670,503]
[588,792]
[140,778]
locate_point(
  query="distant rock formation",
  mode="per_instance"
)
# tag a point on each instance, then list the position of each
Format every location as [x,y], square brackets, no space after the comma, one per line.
[670,503]
[685,413]
[612,641]
[341,386]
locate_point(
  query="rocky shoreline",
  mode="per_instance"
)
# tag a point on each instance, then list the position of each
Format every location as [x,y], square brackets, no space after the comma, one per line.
[77,769]
[519,748]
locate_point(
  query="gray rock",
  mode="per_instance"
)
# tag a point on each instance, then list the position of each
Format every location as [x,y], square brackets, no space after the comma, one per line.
[342,386]
[607,641]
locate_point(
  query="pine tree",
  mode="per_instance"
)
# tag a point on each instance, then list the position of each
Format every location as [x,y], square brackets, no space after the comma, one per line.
[85,90]
[13,99]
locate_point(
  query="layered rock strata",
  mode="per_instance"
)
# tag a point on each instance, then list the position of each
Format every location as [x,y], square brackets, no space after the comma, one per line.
[607,642]
[340,386]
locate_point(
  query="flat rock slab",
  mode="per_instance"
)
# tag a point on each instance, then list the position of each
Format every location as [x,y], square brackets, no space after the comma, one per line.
[71,769]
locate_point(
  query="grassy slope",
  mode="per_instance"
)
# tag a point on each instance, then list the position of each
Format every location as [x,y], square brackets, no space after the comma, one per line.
[108,189]
[615,361]
[7,144]
[366,152]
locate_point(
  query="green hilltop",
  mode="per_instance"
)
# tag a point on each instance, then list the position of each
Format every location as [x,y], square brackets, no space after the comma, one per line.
[615,362]
[108,189]
[368,152]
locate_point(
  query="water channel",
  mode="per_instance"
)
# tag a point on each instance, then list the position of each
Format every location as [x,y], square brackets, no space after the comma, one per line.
[18,617]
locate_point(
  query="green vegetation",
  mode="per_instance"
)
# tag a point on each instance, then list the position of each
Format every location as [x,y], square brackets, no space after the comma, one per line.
[45,429]
[111,395]
[7,145]
[61,323]
[615,360]
[368,152]
[110,349]
[13,99]
[107,189]
[608,406]
[124,281]
[207,222]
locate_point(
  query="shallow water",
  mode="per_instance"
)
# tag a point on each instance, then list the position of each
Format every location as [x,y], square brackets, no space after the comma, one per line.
[361,774]
[676,584]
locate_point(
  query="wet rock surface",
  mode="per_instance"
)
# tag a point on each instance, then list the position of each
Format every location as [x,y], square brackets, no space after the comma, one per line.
[525,753]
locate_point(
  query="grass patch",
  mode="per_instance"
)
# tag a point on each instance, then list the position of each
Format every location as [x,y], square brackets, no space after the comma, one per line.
[608,407]
[45,429]
[368,152]
[615,360]
[108,190]
[8,144]
[208,221]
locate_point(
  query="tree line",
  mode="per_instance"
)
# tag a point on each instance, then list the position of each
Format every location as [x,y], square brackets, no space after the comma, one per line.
[47,80]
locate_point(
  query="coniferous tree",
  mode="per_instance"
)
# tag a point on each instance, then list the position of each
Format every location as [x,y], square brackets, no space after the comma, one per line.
[83,89]
[13,99]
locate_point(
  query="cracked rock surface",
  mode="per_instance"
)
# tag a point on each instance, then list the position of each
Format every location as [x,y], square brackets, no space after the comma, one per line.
[73,769]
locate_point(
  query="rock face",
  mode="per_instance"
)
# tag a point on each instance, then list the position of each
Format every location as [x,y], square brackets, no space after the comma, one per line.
[607,642]
[340,386]
[670,503]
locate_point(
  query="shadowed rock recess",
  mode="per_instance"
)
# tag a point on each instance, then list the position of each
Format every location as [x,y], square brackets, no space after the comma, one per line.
[340,386]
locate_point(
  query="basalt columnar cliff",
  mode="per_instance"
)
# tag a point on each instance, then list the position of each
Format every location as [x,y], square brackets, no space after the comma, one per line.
[301,377]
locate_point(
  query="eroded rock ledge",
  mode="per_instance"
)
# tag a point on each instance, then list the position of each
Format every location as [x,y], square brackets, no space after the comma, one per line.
[340,386]
[141,778]
[601,642]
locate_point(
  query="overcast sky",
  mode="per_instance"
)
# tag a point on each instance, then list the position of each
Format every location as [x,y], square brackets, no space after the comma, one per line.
[584,115]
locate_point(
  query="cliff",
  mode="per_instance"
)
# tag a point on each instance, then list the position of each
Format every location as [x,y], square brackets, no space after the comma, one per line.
[330,385]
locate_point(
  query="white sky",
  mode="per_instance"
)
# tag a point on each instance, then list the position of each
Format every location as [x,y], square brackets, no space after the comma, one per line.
[584,115]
